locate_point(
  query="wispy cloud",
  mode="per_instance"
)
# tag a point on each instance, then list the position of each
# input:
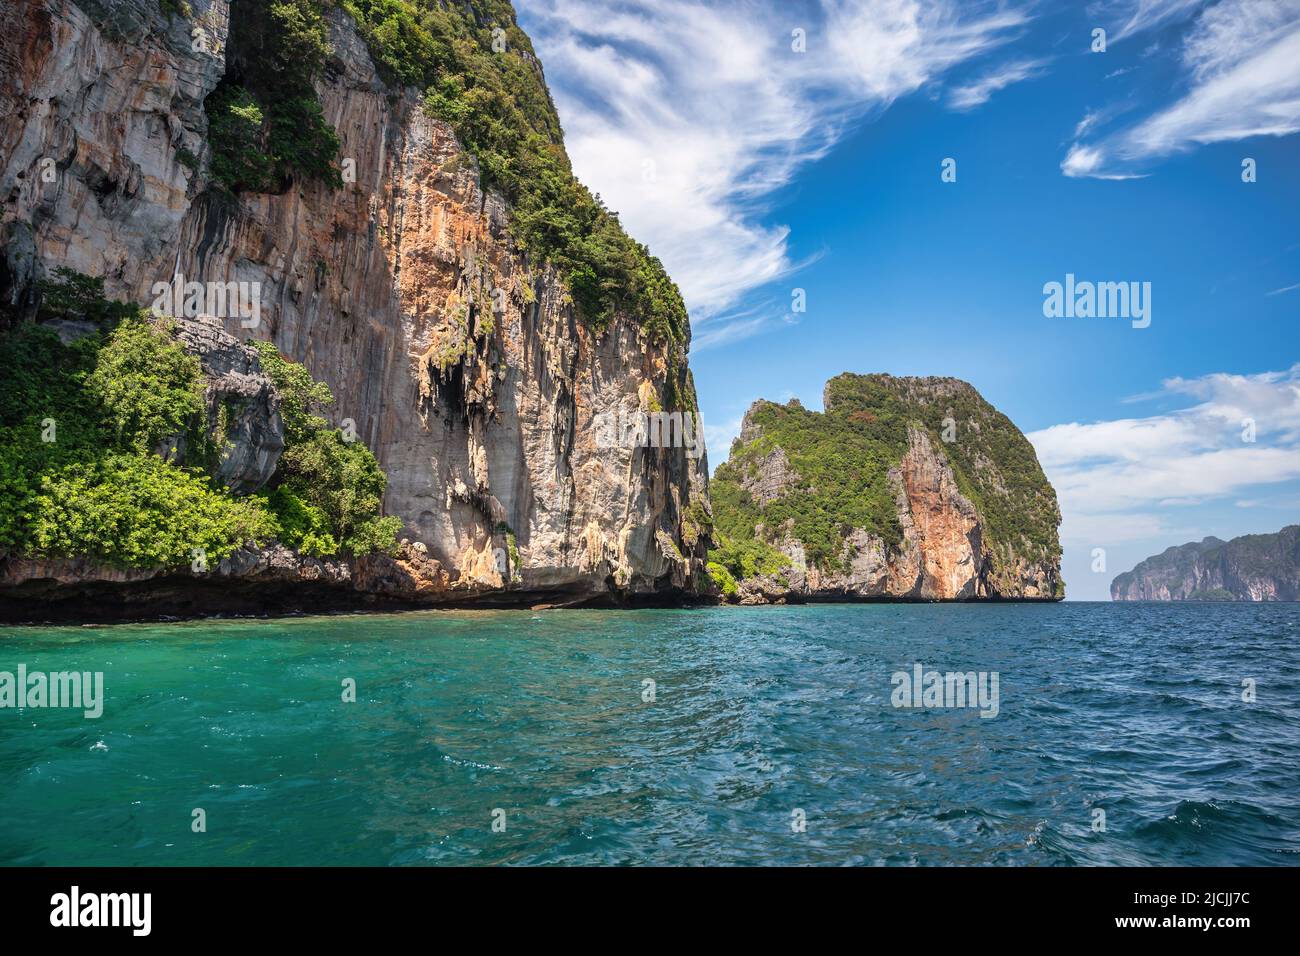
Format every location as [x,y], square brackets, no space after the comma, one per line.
[1240,60]
[1285,288]
[688,115]
[1123,474]
[1090,119]
[1125,18]
[978,92]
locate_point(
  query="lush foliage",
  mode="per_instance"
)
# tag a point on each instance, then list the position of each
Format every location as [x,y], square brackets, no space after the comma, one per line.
[303,526]
[302,398]
[738,549]
[723,579]
[265,121]
[842,459]
[148,386]
[489,86]
[73,296]
[78,422]
[82,425]
[328,489]
[137,510]
[235,129]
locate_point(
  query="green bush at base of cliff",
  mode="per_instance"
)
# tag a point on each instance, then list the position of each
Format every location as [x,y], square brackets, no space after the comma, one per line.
[321,470]
[723,579]
[137,510]
[82,425]
[78,425]
[303,526]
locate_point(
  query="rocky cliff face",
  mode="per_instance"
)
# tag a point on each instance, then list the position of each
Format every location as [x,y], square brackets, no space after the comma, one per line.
[459,362]
[1254,567]
[903,489]
[242,404]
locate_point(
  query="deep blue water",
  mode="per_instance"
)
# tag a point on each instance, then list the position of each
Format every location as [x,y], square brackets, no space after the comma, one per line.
[1132,708]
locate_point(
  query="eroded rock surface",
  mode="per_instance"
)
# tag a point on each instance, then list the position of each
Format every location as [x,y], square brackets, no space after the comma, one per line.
[460,363]
[1253,567]
[944,548]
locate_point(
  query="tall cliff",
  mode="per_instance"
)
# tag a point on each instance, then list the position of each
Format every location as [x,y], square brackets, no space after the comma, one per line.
[903,488]
[1253,567]
[472,365]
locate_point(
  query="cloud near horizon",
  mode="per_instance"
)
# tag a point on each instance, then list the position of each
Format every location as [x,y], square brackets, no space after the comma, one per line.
[686,116]
[1124,480]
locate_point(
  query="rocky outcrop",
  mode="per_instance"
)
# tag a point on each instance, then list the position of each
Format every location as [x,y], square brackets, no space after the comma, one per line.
[898,464]
[1253,567]
[251,582]
[461,363]
[243,407]
[771,479]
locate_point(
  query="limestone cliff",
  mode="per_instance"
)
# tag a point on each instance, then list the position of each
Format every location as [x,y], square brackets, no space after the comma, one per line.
[903,489]
[1253,567]
[463,364]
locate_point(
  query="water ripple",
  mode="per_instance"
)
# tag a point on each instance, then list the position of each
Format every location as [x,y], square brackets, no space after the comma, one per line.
[513,738]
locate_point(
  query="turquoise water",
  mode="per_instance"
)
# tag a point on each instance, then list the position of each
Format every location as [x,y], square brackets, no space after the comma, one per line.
[1135,709]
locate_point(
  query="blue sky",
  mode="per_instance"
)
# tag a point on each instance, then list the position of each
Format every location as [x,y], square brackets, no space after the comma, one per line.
[753,170]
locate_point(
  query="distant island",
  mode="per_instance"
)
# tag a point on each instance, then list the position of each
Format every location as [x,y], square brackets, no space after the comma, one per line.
[912,489]
[1253,567]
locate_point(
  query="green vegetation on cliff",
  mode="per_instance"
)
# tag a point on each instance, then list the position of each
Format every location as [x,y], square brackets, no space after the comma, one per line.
[264,118]
[79,427]
[479,73]
[328,490]
[88,431]
[841,459]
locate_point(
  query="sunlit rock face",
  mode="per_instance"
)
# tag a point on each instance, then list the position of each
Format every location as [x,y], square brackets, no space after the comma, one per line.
[1253,567]
[908,434]
[460,363]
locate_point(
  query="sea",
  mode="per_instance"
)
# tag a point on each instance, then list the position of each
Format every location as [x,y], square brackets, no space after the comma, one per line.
[1088,734]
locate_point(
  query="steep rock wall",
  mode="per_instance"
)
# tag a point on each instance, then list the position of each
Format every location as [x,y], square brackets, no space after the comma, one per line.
[925,538]
[1254,567]
[461,364]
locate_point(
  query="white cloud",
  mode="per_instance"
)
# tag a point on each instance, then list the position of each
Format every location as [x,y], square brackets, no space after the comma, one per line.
[978,92]
[730,329]
[1115,479]
[1130,17]
[1090,119]
[687,115]
[1240,58]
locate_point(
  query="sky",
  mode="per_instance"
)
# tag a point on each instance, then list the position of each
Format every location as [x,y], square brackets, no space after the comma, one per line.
[772,152]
